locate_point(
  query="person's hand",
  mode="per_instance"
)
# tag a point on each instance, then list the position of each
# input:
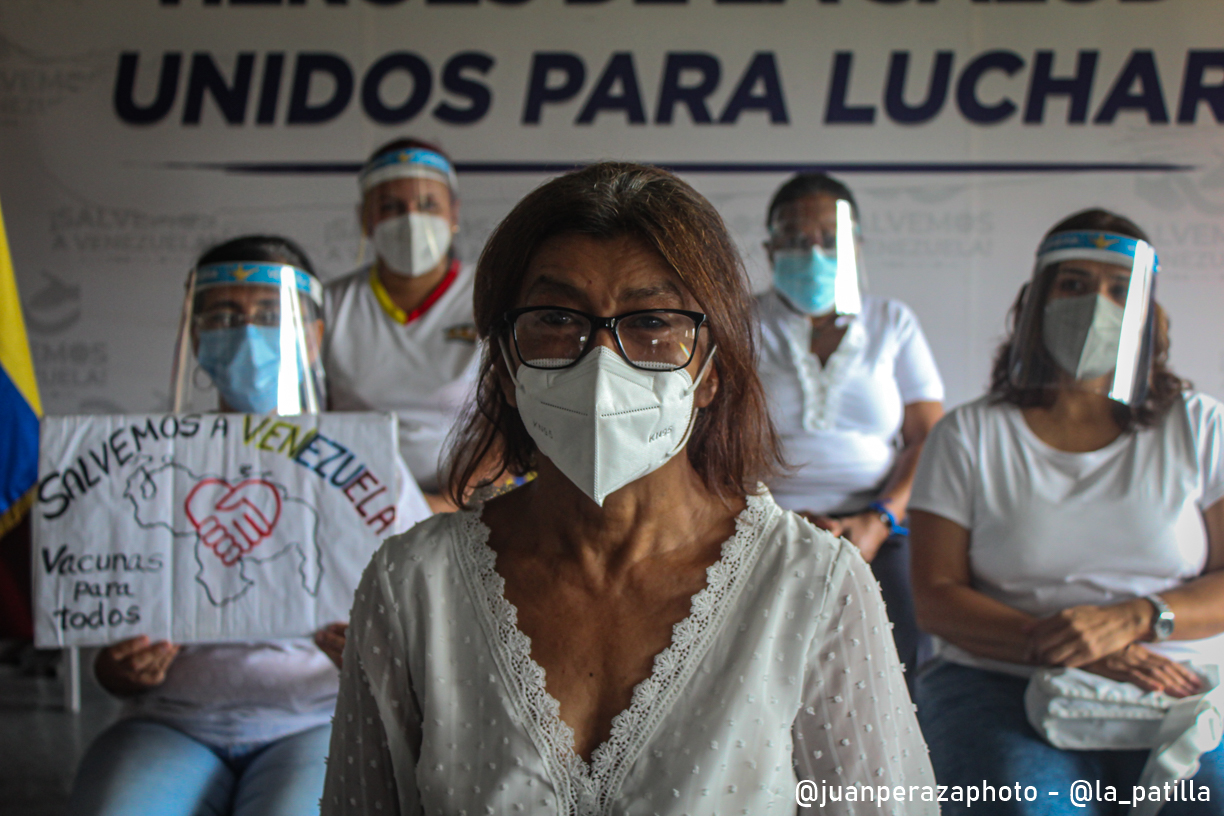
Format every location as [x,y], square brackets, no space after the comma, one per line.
[829,523]
[330,640]
[1147,670]
[1082,634]
[134,665]
[864,530]
[867,531]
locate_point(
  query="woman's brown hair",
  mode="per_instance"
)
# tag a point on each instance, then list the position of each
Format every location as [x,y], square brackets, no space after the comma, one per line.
[1163,387]
[733,446]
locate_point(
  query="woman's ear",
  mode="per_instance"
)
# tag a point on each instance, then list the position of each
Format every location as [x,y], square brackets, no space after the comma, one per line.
[504,380]
[708,388]
[361,219]
[314,338]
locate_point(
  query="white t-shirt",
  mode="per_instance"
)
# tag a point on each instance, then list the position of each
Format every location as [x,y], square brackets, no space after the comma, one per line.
[424,371]
[784,669]
[232,693]
[840,423]
[1051,529]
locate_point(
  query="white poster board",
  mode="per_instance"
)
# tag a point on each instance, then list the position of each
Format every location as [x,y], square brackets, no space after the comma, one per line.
[199,528]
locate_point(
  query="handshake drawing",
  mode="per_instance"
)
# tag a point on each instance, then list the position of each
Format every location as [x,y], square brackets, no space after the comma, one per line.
[233,520]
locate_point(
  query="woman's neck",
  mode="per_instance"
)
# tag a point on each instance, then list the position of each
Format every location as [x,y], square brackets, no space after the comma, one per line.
[408,291]
[667,510]
[1077,422]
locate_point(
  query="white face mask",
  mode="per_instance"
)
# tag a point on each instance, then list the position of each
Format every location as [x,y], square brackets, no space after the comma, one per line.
[604,423]
[413,243]
[1082,333]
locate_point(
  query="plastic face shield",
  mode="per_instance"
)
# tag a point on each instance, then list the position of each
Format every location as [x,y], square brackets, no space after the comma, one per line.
[1088,316]
[249,341]
[816,271]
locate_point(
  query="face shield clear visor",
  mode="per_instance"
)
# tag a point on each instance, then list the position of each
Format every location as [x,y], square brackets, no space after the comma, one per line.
[249,341]
[818,271]
[1087,318]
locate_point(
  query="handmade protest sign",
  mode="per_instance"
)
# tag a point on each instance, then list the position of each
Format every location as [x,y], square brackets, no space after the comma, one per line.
[199,528]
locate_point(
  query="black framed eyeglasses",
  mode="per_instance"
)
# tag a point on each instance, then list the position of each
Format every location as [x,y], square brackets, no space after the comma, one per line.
[268,318]
[552,337]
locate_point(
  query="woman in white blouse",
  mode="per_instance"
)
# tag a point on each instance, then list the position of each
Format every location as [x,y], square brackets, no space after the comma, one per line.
[1073,517]
[640,629]
[852,386]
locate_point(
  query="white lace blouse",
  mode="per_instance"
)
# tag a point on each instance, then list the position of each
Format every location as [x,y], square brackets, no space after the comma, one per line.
[784,670]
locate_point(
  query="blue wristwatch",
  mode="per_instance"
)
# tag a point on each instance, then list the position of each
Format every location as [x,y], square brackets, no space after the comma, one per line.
[888,518]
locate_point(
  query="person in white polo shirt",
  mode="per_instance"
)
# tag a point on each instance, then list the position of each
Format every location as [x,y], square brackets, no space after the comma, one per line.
[400,335]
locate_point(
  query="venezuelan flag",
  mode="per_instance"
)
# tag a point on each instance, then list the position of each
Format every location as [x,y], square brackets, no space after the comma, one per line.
[20,407]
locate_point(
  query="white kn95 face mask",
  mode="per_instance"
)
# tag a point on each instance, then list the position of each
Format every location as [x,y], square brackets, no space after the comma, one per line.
[413,243]
[604,423]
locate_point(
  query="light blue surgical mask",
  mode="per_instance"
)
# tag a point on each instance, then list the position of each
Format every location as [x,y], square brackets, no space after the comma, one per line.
[807,278]
[244,363]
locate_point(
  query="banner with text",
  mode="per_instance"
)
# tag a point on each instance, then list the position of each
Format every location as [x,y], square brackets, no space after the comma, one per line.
[200,528]
[136,133]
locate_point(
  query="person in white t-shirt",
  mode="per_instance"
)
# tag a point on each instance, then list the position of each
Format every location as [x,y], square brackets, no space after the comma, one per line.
[230,728]
[1073,517]
[399,332]
[852,386]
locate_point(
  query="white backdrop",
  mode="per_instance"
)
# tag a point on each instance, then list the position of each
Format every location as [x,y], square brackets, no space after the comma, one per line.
[1040,107]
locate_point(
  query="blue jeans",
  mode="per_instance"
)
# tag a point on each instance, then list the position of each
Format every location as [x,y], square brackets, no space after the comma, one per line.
[978,734]
[145,768]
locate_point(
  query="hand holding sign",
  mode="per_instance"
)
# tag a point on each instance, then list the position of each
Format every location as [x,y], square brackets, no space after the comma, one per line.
[233,520]
[134,665]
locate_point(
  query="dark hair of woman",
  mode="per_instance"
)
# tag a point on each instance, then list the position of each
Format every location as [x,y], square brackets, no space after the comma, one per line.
[733,446]
[261,249]
[809,184]
[1164,387]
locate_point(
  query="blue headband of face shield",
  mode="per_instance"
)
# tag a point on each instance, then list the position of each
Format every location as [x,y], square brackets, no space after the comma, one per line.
[1106,247]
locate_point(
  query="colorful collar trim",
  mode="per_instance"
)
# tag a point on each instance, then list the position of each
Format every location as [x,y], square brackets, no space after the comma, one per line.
[395,312]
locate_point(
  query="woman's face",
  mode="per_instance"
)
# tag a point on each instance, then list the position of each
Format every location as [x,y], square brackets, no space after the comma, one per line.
[1076,278]
[804,223]
[609,277]
[404,195]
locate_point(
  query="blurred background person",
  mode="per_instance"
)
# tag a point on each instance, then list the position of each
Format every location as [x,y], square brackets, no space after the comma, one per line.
[852,387]
[1074,516]
[237,728]
[400,335]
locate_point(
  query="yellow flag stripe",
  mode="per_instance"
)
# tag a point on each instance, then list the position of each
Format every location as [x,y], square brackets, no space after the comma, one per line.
[14,345]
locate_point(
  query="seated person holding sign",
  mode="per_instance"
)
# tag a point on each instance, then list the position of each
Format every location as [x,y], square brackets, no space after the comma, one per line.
[239,727]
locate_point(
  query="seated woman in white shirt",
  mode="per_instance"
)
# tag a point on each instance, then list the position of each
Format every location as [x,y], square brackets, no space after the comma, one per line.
[1073,517]
[229,728]
[399,330]
[641,628]
[852,388]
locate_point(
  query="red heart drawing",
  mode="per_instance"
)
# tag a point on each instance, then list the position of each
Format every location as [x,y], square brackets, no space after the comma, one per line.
[232,520]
